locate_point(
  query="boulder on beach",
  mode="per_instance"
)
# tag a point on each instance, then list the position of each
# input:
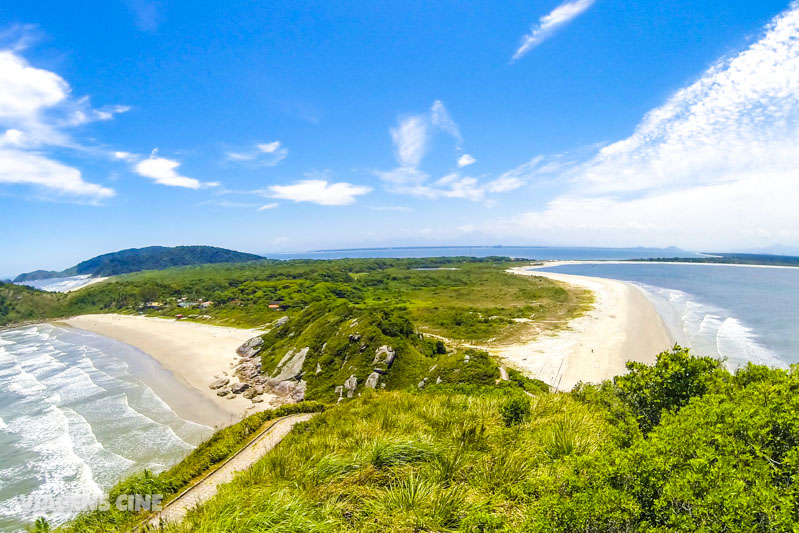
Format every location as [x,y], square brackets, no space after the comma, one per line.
[238,388]
[219,383]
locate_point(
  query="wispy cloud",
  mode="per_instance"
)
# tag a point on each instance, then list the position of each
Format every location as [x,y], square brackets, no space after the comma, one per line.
[411,138]
[441,119]
[148,14]
[719,159]
[268,206]
[320,192]
[262,154]
[551,23]
[37,112]
[164,172]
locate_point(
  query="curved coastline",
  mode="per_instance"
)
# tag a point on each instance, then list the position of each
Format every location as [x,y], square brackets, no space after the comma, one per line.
[622,325]
[195,354]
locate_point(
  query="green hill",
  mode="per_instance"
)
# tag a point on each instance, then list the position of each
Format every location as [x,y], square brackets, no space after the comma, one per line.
[138,259]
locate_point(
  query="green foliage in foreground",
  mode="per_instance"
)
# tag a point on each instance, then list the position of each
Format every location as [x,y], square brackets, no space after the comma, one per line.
[205,457]
[681,446]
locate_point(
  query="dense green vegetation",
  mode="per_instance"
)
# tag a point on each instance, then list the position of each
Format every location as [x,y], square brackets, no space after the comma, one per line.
[22,304]
[149,258]
[681,446]
[472,300]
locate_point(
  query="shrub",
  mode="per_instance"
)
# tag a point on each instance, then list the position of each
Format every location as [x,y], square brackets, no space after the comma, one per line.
[515,410]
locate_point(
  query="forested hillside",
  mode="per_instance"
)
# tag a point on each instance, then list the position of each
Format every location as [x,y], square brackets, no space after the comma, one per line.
[138,259]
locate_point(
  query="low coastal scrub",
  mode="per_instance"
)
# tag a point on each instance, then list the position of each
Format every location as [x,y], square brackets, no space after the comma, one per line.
[683,445]
[462,299]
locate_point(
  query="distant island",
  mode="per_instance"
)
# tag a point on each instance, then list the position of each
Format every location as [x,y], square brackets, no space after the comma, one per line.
[138,259]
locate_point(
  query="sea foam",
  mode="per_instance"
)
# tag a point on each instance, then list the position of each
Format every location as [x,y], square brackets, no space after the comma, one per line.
[709,330]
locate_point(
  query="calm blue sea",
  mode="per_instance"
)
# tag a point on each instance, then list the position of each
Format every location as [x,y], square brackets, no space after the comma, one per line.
[741,313]
[75,418]
[523,252]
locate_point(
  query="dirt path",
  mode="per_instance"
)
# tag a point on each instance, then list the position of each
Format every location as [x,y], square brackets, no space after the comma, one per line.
[206,489]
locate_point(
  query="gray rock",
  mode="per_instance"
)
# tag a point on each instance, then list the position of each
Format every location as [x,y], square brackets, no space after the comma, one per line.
[290,365]
[250,393]
[219,383]
[381,371]
[339,390]
[257,400]
[238,388]
[371,381]
[423,383]
[355,338]
[223,392]
[384,356]
[250,348]
[466,358]
[318,368]
[294,390]
[279,322]
[438,380]
[299,392]
[350,385]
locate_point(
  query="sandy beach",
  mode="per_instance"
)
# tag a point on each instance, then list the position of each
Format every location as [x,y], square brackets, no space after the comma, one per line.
[622,326]
[196,354]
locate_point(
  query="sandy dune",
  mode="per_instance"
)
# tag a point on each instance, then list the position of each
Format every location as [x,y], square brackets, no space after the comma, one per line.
[622,326]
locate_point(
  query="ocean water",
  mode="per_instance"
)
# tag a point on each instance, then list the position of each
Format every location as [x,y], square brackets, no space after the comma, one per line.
[58,284]
[75,418]
[739,313]
[523,252]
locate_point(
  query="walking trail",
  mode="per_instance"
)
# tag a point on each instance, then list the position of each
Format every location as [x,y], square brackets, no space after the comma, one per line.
[176,510]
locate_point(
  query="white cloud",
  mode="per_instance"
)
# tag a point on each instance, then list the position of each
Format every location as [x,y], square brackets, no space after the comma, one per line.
[410,140]
[441,119]
[268,206]
[36,110]
[263,154]
[319,192]
[549,24]
[163,171]
[717,164]
[30,168]
[465,160]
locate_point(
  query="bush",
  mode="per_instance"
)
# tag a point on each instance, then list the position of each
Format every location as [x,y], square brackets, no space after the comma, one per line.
[515,410]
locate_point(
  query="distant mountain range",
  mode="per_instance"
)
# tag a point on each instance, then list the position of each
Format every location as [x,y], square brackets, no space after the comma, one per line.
[137,259]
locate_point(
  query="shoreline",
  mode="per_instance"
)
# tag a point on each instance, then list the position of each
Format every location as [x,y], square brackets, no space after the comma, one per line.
[551,263]
[195,354]
[622,325]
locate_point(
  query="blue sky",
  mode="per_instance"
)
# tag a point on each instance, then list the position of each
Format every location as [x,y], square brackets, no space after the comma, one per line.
[288,126]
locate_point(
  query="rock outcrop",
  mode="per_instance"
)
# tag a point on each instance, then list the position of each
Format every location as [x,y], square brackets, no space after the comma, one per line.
[251,347]
[384,356]
[350,385]
[371,381]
